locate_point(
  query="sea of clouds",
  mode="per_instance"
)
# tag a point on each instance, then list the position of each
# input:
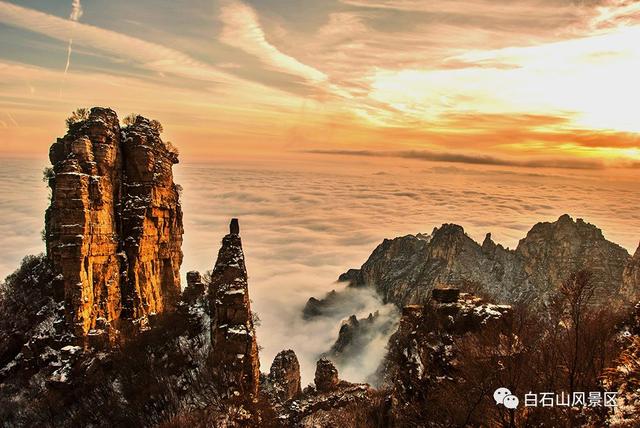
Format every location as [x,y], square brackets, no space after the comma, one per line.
[302,224]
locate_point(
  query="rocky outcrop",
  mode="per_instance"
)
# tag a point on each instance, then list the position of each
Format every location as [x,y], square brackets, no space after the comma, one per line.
[114,226]
[631,277]
[404,270]
[420,350]
[551,251]
[326,377]
[624,376]
[195,288]
[234,352]
[348,406]
[194,279]
[355,334]
[332,402]
[283,380]
[350,330]
[319,307]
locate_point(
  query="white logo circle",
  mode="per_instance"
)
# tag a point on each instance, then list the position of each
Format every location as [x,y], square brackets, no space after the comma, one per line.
[499,395]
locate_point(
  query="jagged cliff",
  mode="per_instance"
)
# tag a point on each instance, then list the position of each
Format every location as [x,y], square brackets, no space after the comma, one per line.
[404,270]
[114,225]
[553,250]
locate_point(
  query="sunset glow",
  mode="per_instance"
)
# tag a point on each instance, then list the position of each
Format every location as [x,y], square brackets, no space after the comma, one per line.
[327,213]
[524,79]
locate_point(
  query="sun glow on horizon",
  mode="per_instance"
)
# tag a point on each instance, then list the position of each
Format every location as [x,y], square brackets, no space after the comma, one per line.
[592,81]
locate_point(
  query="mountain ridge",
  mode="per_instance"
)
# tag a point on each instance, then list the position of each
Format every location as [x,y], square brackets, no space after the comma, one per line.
[404,270]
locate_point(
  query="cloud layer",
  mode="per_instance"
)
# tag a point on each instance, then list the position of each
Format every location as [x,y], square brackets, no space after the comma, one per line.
[148,55]
[242,30]
[466,158]
[303,224]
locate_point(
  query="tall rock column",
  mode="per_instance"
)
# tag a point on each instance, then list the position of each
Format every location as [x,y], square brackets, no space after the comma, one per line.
[114,225]
[151,222]
[81,225]
[234,353]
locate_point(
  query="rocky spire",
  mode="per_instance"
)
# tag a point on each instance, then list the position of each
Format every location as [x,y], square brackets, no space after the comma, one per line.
[234,351]
[284,376]
[631,277]
[326,377]
[488,246]
[114,225]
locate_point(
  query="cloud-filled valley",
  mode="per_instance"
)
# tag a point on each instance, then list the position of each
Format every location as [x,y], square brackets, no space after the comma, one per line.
[302,226]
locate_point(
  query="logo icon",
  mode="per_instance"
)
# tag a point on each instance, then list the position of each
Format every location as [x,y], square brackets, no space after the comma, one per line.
[506,398]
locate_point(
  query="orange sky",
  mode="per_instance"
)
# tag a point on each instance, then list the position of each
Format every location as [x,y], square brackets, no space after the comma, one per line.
[525,83]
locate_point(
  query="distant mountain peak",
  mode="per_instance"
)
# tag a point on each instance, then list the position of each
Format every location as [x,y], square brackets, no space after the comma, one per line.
[404,270]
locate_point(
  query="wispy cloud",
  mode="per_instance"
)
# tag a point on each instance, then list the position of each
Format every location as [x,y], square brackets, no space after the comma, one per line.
[449,76]
[241,29]
[466,158]
[76,13]
[148,55]
[616,13]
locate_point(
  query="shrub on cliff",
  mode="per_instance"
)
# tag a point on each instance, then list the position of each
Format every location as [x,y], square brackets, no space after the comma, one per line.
[22,295]
[80,115]
[563,351]
[130,119]
[24,292]
[157,126]
[171,148]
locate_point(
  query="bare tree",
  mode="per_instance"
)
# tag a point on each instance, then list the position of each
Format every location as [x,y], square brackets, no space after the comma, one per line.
[157,126]
[80,115]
